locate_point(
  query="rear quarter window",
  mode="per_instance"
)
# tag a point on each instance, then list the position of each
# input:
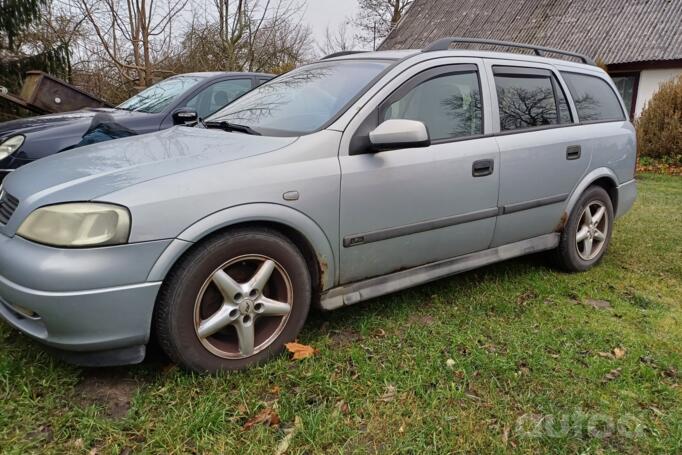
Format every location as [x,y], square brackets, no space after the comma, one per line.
[594,98]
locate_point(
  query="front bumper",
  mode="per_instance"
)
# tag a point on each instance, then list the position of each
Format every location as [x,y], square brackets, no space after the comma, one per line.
[79,300]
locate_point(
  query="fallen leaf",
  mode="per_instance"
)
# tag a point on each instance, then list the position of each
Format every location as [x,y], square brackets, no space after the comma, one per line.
[598,304]
[656,411]
[619,353]
[505,435]
[402,428]
[523,369]
[379,333]
[669,372]
[275,390]
[301,351]
[389,394]
[168,369]
[284,444]
[490,347]
[611,375]
[450,363]
[647,359]
[606,355]
[267,417]
[343,407]
[525,297]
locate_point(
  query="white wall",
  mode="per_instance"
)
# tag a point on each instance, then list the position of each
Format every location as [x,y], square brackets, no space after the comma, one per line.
[649,81]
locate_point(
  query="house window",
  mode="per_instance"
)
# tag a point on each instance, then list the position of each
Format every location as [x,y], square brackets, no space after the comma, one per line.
[627,84]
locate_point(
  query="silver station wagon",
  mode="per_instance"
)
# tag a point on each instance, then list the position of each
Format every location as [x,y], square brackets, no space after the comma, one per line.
[343,180]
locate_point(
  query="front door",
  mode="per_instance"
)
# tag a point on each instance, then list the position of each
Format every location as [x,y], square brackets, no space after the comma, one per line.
[407,207]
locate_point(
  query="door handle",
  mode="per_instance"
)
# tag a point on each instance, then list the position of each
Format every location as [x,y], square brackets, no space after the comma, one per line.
[481,168]
[573,152]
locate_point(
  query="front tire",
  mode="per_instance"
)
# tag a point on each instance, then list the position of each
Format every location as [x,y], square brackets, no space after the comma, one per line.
[587,233]
[233,301]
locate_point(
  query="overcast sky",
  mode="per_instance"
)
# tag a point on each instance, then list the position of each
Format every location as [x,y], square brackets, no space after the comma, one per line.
[322,13]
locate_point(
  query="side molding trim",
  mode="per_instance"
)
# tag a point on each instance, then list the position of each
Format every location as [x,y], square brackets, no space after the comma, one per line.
[415,228]
[374,287]
[535,203]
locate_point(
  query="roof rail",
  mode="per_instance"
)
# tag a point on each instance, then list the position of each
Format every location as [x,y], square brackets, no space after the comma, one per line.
[443,44]
[341,54]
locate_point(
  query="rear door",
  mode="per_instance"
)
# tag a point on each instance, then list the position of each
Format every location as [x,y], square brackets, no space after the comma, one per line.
[407,207]
[543,150]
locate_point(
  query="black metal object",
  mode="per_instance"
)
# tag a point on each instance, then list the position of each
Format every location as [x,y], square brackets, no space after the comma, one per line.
[341,54]
[443,44]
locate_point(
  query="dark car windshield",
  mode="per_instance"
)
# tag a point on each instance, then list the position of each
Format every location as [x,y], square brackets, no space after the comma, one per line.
[302,100]
[159,96]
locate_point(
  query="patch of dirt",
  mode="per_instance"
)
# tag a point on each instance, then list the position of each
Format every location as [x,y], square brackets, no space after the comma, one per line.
[425,320]
[114,392]
[598,304]
[345,337]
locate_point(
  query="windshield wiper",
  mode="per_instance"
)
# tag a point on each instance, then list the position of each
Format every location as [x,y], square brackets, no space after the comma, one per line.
[227,126]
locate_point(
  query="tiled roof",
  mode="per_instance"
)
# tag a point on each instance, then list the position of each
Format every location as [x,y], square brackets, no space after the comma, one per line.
[614,31]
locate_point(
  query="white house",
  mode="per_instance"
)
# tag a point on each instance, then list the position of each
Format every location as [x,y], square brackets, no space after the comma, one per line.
[639,41]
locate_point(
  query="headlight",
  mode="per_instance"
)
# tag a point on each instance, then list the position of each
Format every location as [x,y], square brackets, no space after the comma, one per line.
[77,225]
[11,145]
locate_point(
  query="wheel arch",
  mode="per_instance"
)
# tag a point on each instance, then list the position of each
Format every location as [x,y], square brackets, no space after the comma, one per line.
[296,226]
[603,177]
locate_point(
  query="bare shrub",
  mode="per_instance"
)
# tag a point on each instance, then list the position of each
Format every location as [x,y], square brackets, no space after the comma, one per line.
[659,128]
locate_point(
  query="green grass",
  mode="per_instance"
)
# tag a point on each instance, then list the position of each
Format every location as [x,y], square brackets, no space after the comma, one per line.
[449,367]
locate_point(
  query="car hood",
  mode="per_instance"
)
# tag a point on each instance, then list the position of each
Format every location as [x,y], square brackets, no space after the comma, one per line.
[96,170]
[41,122]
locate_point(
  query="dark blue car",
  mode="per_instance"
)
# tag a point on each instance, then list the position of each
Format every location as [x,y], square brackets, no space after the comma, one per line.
[172,101]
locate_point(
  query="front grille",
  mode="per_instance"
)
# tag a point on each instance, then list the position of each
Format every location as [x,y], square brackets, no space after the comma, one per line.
[8,204]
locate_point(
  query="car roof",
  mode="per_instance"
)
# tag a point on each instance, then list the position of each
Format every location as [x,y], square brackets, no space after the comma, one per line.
[406,54]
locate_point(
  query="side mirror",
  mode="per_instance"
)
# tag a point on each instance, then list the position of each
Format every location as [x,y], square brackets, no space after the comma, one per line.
[398,134]
[185,115]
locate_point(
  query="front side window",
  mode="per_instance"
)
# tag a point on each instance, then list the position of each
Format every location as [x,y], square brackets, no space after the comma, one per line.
[218,95]
[594,98]
[448,104]
[159,96]
[529,100]
[303,100]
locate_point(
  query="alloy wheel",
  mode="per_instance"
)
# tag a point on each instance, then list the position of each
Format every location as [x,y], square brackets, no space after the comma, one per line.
[243,306]
[592,230]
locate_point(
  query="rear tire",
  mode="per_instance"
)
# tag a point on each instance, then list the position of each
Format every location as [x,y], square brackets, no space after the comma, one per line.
[233,301]
[587,232]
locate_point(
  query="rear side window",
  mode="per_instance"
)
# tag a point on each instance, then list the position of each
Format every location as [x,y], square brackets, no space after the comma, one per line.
[529,98]
[594,99]
[449,104]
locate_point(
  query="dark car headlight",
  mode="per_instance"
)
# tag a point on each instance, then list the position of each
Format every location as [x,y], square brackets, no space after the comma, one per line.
[10,145]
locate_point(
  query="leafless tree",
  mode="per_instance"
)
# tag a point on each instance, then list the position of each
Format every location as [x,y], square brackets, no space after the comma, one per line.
[338,39]
[245,35]
[136,36]
[376,18]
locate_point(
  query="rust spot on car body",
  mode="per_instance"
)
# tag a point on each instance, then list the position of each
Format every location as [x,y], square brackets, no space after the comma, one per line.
[323,269]
[562,223]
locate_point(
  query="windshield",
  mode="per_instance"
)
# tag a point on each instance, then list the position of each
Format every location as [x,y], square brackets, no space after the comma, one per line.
[302,100]
[159,96]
